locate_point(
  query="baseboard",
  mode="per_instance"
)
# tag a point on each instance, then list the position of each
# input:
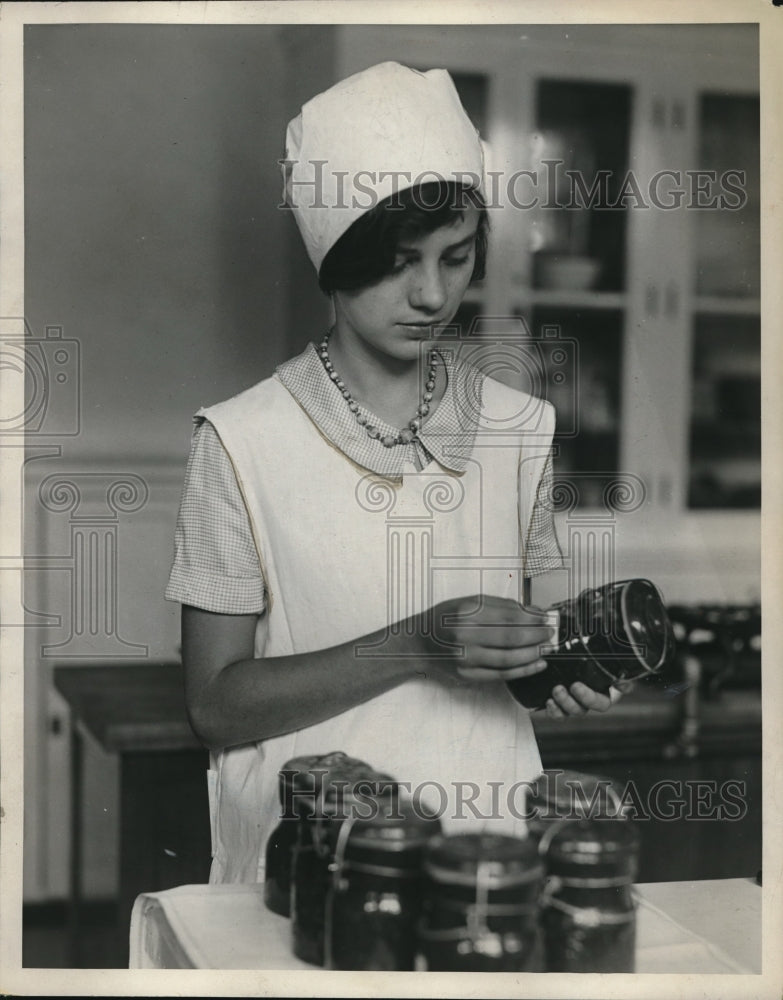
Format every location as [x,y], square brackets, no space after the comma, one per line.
[55,913]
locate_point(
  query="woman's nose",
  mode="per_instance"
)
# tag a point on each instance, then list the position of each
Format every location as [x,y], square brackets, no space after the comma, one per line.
[428,289]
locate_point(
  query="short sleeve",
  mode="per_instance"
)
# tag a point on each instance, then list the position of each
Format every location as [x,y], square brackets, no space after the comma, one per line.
[542,550]
[216,565]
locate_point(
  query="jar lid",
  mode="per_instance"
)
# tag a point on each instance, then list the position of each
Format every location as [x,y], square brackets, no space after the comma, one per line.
[295,773]
[503,861]
[599,846]
[623,626]
[647,623]
[389,822]
[312,774]
[347,787]
[558,794]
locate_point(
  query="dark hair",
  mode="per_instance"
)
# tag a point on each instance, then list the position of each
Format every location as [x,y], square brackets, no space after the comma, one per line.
[365,253]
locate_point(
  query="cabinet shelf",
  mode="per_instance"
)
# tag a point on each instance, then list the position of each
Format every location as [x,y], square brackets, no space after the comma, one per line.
[727,306]
[572,299]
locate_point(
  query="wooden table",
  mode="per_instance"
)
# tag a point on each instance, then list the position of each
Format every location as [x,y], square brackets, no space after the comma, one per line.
[138,712]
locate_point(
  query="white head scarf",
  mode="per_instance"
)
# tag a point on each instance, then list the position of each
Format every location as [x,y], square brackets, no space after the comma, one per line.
[378,132]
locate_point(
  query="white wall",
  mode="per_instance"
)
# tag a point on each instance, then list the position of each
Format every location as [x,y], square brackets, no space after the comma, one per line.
[153,239]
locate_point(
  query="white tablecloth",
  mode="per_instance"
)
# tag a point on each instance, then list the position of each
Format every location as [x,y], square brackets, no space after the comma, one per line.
[703,927]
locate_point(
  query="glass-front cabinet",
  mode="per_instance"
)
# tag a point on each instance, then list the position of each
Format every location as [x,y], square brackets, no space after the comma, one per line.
[725,431]
[624,191]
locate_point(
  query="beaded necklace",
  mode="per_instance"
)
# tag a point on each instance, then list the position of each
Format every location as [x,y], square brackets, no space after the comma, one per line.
[404,436]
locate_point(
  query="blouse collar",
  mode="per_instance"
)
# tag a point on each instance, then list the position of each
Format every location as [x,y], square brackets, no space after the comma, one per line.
[447,435]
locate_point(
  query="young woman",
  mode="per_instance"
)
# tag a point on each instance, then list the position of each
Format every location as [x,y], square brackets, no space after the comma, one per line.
[355,533]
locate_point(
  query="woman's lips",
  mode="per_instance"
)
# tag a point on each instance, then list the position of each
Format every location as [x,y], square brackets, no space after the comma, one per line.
[421,334]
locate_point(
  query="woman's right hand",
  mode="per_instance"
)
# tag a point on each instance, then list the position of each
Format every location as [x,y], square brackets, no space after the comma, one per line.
[492,638]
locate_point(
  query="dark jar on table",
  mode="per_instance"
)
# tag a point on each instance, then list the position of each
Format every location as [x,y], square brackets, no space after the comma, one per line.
[298,784]
[341,792]
[481,905]
[588,909]
[558,795]
[375,896]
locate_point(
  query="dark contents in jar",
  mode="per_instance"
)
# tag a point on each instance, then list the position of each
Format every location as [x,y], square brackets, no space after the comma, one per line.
[375,895]
[481,905]
[341,793]
[588,914]
[297,780]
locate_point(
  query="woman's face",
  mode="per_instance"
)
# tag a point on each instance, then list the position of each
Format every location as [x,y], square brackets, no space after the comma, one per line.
[392,317]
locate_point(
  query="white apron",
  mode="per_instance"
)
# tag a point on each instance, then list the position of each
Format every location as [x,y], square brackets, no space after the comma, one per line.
[345,552]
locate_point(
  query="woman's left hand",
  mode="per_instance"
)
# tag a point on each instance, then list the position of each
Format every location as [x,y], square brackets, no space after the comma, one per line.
[580,699]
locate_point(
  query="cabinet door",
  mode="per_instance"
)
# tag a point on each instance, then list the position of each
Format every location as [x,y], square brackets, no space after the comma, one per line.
[724,438]
[695,360]
[569,278]
[692,368]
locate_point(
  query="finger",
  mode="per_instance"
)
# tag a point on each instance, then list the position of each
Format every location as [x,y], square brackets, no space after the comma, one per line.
[502,673]
[484,650]
[511,608]
[507,636]
[525,671]
[624,686]
[566,702]
[553,711]
[496,610]
[495,658]
[539,614]
[590,700]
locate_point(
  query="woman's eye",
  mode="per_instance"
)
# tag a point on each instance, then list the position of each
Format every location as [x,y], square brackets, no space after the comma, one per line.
[401,263]
[457,261]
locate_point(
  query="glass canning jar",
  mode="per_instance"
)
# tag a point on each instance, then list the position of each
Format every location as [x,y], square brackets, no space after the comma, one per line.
[481,906]
[375,896]
[588,909]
